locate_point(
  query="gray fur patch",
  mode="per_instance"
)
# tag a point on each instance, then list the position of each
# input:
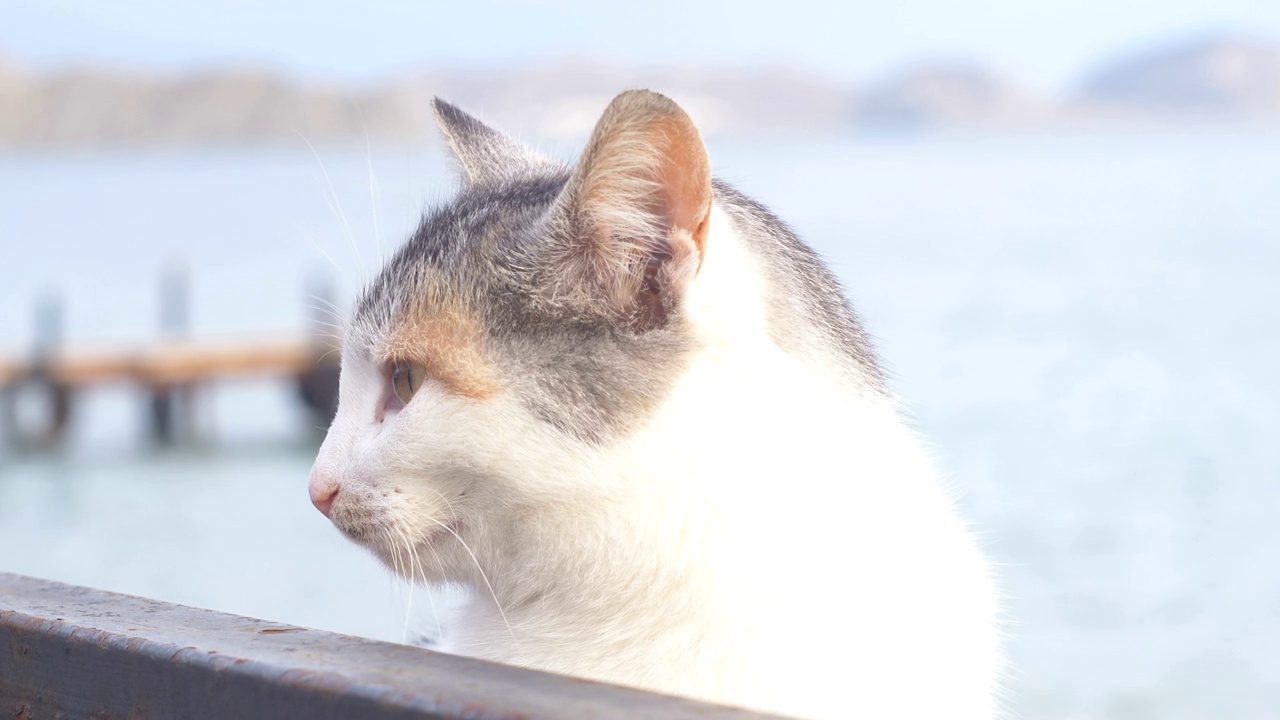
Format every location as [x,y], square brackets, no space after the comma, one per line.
[594,377]
[809,314]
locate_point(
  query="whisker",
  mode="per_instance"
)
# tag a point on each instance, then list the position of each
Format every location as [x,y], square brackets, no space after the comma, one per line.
[329,340]
[452,513]
[394,554]
[336,206]
[329,312]
[325,323]
[483,576]
[311,239]
[373,198]
[395,574]
[399,574]
[413,550]
[337,311]
[408,608]
[330,329]
[440,564]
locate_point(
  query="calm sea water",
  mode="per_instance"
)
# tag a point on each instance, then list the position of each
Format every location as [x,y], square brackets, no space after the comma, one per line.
[1084,327]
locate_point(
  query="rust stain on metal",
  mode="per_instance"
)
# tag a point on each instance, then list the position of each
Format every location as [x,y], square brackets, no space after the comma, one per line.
[323,683]
[477,710]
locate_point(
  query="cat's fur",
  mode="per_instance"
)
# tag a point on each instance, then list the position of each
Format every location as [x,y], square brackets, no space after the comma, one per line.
[655,444]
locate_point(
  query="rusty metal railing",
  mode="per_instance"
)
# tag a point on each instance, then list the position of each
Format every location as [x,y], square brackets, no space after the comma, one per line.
[74,652]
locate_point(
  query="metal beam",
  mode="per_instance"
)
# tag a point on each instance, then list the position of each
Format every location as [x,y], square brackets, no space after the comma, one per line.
[74,652]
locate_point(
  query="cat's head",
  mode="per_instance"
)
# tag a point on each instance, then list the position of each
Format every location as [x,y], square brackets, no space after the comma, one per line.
[533,320]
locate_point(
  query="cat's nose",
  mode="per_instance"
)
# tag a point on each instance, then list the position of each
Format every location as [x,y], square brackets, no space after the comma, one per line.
[322,490]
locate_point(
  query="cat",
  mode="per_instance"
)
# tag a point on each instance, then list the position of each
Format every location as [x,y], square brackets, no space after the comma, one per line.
[634,415]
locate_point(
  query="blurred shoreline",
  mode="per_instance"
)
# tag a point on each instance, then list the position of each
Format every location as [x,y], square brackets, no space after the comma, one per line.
[1205,81]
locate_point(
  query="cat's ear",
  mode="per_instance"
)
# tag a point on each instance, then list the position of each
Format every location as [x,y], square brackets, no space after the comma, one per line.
[632,220]
[484,154]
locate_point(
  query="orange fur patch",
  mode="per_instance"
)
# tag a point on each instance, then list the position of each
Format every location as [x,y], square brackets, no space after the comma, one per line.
[445,339]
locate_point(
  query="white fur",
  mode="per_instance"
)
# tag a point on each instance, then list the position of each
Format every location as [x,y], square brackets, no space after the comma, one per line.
[772,539]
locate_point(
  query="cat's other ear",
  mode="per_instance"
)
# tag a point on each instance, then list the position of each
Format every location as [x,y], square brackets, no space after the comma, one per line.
[485,155]
[632,220]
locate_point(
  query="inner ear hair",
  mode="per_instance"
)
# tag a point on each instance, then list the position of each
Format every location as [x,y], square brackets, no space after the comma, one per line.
[637,206]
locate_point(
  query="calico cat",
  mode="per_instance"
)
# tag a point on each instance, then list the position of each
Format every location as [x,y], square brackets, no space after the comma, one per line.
[633,414]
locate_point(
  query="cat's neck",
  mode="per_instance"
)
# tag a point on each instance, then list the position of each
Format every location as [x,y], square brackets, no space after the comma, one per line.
[611,578]
[722,468]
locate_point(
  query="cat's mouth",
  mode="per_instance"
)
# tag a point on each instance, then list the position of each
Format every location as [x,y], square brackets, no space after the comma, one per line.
[411,553]
[375,526]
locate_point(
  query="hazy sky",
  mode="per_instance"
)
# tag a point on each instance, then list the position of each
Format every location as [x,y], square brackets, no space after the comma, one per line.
[1046,43]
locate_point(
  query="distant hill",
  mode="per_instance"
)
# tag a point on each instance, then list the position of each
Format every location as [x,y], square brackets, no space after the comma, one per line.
[1233,77]
[1224,79]
[92,107]
[948,95]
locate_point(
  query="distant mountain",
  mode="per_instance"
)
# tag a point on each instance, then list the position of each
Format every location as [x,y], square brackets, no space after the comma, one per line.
[1235,77]
[101,107]
[92,107]
[1224,79]
[946,95]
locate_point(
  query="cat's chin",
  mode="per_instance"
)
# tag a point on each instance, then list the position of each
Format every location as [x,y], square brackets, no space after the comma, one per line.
[414,559]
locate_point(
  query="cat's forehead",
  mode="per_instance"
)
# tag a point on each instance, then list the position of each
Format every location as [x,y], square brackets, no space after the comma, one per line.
[478,224]
[459,250]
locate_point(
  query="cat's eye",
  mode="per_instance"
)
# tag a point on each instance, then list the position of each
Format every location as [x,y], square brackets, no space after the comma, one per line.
[406,378]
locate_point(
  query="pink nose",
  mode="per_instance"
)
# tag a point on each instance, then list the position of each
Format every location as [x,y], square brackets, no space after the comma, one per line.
[322,494]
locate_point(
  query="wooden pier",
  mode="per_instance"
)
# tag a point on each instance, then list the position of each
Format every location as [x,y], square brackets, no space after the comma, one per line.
[37,394]
[167,363]
[38,389]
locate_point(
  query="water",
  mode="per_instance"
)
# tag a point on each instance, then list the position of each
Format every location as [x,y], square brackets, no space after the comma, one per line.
[1082,326]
